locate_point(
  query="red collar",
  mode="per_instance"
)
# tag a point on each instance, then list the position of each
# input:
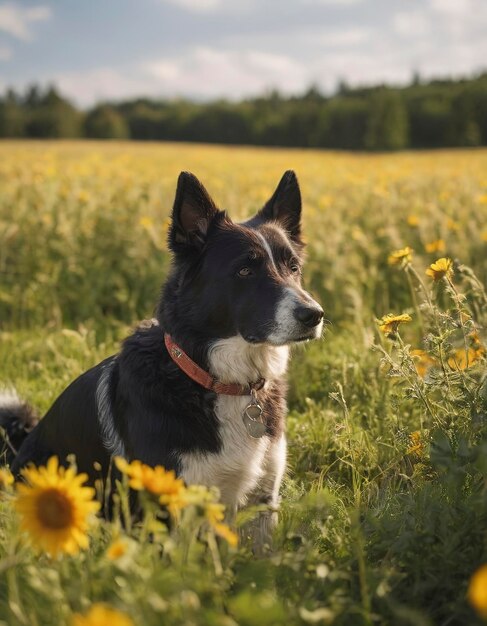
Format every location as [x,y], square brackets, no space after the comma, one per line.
[198,374]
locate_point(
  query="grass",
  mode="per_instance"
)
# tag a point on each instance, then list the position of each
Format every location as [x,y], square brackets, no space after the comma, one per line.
[384,504]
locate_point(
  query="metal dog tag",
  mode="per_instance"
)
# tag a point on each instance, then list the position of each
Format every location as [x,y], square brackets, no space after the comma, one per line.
[252,418]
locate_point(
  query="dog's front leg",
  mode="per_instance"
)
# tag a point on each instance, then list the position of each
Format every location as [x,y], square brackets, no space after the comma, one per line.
[258,532]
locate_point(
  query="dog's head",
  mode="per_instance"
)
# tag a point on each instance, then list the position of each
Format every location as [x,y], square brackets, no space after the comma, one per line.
[241,279]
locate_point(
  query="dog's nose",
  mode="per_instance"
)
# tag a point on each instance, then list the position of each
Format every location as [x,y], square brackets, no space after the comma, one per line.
[309,316]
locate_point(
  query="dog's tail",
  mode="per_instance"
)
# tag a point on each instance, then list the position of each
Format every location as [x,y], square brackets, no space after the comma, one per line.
[17,419]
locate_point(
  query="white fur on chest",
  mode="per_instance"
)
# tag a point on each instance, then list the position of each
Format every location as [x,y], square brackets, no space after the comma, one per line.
[237,468]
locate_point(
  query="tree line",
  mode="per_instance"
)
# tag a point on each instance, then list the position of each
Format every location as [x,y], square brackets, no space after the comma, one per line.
[433,114]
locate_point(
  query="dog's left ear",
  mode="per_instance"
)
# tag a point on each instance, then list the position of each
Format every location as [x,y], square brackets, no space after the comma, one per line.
[285,206]
[192,213]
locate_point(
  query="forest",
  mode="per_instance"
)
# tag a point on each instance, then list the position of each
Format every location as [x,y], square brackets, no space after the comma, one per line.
[423,114]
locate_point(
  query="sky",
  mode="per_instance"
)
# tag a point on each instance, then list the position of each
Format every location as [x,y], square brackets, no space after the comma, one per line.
[205,49]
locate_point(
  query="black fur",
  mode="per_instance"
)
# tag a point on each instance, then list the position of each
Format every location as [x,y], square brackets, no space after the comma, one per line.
[17,419]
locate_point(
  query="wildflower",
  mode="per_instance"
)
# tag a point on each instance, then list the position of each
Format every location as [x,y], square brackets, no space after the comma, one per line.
[452,225]
[6,478]
[223,531]
[156,479]
[440,268]
[401,257]
[117,549]
[83,196]
[476,343]
[462,359]
[413,220]
[146,222]
[422,362]
[55,508]
[214,513]
[389,323]
[477,591]
[415,443]
[101,615]
[193,495]
[435,246]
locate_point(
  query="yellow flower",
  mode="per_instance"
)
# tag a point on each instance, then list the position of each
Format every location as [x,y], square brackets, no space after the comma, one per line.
[460,359]
[440,268]
[101,615]
[55,508]
[422,362]
[415,443]
[83,196]
[389,323]
[435,246]
[117,549]
[476,343]
[154,479]
[452,224]
[401,257]
[477,591]
[146,222]
[413,220]
[215,513]
[223,531]
[6,478]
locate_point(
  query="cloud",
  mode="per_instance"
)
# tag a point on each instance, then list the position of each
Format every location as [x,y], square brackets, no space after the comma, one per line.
[212,72]
[412,23]
[197,6]
[103,83]
[201,72]
[248,6]
[239,49]
[17,20]
[346,38]
[5,53]
[453,7]
[343,3]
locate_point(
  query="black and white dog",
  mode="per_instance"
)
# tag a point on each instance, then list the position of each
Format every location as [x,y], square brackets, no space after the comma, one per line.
[200,389]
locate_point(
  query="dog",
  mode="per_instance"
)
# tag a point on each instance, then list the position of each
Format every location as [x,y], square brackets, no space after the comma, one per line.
[201,388]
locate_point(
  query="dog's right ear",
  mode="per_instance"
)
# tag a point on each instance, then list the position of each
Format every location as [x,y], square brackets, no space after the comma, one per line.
[191,215]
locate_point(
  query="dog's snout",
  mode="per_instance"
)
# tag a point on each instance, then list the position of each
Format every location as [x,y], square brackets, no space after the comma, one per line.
[310,316]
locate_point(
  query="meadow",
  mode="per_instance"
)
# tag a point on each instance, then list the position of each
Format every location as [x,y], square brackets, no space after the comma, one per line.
[384,511]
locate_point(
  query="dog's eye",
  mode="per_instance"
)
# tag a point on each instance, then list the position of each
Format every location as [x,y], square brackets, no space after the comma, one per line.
[295,269]
[244,271]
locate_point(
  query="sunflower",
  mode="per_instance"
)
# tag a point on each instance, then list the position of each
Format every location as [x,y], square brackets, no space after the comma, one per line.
[55,508]
[389,323]
[101,615]
[440,268]
[477,591]
[401,257]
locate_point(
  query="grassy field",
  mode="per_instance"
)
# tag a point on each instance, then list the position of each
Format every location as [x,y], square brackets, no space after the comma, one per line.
[384,512]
